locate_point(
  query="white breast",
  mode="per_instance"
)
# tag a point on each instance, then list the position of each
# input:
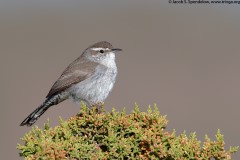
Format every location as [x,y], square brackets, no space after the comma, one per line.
[97,87]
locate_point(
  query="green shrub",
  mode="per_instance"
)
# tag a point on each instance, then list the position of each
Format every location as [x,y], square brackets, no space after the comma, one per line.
[117,135]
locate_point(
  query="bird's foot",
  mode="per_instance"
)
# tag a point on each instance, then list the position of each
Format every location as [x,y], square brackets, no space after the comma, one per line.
[98,107]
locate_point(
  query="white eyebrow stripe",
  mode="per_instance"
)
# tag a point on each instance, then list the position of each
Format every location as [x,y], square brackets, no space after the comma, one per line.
[98,49]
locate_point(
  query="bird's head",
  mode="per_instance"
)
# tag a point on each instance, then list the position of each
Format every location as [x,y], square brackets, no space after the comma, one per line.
[101,52]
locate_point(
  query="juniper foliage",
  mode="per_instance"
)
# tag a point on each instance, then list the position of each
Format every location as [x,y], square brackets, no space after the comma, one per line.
[117,135]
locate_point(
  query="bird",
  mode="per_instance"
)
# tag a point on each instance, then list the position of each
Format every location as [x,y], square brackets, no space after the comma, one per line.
[88,79]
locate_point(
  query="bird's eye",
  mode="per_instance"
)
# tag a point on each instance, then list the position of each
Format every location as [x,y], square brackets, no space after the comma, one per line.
[101,51]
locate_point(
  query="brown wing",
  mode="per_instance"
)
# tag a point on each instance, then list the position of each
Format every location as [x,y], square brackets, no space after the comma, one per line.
[76,72]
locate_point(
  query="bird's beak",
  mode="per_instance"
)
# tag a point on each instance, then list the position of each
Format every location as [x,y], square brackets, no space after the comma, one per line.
[116,49]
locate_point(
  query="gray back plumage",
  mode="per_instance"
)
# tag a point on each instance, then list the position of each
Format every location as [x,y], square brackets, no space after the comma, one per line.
[77,71]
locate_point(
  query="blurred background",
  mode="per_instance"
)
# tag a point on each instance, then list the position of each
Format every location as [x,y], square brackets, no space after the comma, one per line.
[183,57]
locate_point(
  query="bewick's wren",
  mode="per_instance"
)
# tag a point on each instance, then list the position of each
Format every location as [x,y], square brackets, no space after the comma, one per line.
[89,78]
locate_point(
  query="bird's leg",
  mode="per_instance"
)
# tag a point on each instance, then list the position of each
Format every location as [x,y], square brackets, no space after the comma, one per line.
[99,107]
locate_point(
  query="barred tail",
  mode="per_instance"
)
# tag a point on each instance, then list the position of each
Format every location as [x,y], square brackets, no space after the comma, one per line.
[32,118]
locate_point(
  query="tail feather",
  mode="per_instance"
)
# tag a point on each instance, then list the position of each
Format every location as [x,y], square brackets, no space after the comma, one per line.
[33,117]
